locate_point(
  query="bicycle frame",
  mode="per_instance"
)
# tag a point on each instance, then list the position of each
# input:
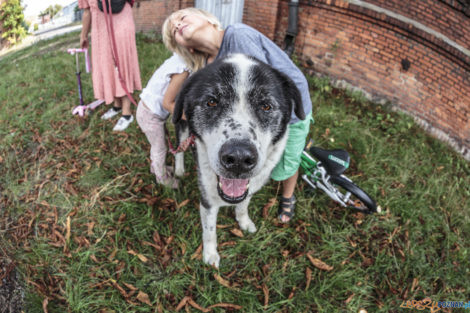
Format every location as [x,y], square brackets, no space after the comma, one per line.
[317,177]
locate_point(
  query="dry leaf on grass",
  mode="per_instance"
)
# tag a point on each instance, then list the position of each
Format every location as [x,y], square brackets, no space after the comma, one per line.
[68,229]
[237,232]
[144,298]
[198,253]
[319,263]
[191,302]
[119,288]
[182,204]
[266,295]
[44,305]
[197,306]
[308,276]
[182,303]
[224,282]
[141,257]
[226,306]
[268,206]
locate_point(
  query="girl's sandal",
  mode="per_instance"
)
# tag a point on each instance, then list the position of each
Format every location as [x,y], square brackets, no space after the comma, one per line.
[286,208]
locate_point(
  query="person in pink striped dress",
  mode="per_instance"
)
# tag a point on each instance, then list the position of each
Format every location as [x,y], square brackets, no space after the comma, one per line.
[106,85]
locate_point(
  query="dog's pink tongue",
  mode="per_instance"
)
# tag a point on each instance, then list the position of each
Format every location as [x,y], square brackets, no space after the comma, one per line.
[233,187]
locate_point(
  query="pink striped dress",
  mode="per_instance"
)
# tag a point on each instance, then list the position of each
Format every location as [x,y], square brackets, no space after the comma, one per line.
[106,83]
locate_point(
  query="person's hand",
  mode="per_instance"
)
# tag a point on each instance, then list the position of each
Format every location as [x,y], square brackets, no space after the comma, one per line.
[84,42]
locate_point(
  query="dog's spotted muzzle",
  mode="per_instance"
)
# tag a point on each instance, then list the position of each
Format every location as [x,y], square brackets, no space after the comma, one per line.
[238,159]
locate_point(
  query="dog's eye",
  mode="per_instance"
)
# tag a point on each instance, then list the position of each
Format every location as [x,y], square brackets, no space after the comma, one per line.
[211,103]
[266,107]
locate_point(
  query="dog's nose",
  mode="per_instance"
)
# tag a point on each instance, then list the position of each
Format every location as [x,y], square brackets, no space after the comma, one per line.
[238,156]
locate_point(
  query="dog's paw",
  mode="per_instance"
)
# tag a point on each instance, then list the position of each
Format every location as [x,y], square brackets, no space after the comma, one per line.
[247,224]
[179,172]
[211,258]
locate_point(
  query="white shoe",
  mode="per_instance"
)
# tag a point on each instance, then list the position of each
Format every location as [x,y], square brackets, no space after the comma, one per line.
[109,114]
[122,123]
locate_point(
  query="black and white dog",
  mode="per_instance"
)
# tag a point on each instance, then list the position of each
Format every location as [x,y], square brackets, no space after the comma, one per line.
[238,108]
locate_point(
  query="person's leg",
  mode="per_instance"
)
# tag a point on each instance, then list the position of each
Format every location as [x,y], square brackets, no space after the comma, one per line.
[287,168]
[126,105]
[117,103]
[114,110]
[126,118]
[287,200]
[154,129]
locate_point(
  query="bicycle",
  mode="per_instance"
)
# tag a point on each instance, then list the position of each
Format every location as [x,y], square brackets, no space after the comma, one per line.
[323,169]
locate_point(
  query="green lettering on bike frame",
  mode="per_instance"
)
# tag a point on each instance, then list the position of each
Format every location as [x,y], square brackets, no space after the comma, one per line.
[338,160]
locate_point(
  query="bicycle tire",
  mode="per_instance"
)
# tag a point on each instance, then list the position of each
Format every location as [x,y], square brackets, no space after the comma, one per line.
[362,201]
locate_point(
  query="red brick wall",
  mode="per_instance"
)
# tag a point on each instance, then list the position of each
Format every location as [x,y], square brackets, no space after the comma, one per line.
[442,16]
[149,15]
[365,49]
[262,15]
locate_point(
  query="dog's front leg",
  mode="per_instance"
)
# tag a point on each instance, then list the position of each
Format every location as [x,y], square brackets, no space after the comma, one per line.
[209,235]
[241,214]
[179,164]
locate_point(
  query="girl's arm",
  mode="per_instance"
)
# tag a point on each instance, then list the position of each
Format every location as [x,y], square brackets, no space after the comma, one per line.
[86,23]
[174,87]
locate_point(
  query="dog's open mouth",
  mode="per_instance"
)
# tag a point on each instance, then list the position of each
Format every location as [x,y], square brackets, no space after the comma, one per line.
[232,190]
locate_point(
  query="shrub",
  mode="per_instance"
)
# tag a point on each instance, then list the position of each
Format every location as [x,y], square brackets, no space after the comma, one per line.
[12,19]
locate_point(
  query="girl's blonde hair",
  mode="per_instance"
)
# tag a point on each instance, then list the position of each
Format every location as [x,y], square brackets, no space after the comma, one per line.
[195,60]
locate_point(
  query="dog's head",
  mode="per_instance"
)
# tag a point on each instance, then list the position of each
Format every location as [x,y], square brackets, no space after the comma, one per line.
[239,108]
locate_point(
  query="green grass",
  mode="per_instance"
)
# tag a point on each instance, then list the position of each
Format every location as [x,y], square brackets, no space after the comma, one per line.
[57,169]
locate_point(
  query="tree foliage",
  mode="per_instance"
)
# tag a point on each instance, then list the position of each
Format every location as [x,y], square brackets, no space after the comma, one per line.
[12,20]
[51,10]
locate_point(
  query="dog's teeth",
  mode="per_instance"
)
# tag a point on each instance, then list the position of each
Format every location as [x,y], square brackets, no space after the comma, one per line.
[247,185]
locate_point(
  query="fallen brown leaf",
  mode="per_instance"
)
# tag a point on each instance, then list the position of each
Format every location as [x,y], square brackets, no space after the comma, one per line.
[197,306]
[349,299]
[198,253]
[292,293]
[44,305]
[182,303]
[266,295]
[112,255]
[144,298]
[182,204]
[268,206]
[308,277]
[226,306]
[119,288]
[228,243]
[67,229]
[141,257]
[319,263]
[222,281]
[130,286]
[237,232]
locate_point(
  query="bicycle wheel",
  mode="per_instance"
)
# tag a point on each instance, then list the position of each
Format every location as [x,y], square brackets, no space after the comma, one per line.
[358,198]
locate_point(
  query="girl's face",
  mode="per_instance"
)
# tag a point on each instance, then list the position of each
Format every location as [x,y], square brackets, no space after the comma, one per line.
[185,26]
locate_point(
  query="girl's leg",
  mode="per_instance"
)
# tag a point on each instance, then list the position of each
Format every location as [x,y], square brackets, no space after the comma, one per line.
[154,129]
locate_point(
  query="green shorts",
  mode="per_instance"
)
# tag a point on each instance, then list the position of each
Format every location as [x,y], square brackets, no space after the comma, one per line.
[290,160]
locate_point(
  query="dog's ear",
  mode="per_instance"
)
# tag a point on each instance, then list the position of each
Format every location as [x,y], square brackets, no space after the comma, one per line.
[292,95]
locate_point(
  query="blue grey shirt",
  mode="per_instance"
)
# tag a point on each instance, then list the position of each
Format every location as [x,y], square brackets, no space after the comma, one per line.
[241,38]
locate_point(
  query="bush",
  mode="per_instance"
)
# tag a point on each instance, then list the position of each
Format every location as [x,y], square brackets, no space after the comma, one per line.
[12,18]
